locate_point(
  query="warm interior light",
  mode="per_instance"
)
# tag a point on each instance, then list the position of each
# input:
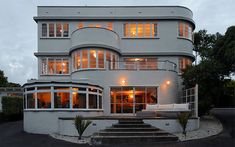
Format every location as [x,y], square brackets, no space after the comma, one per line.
[168,82]
[60,30]
[137,59]
[94,54]
[133,33]
[63,64]
[123,82]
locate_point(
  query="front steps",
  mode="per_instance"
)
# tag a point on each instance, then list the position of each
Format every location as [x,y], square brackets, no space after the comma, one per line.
[131,131]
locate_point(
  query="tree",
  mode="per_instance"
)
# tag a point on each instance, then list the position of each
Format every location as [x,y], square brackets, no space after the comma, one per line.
[3,79]
[4,82]
[218,62]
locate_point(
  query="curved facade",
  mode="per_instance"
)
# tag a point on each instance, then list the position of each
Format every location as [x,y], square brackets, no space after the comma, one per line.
[105,61]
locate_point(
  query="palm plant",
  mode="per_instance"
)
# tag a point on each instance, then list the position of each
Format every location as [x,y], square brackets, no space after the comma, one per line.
[81,124]
[183,120]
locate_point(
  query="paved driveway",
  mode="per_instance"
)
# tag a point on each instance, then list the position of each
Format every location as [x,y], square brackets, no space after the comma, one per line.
[11,135]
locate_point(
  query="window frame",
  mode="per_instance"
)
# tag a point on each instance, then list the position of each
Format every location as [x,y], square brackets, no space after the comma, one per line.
[55,24]
[186,25]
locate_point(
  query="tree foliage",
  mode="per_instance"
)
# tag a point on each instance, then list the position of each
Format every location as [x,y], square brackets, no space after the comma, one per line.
[4,82]
[218,62]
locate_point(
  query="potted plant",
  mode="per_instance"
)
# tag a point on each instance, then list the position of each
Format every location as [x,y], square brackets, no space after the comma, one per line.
[183,120]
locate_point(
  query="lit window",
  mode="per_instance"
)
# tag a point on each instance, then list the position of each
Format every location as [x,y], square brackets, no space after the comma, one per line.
[92,58]
[132,30]
[155,30]
[183,63]
[80,25]
[79,100]
[58,30]
[91,25]
[66,30]
[140,30]
[44,30]
[126,30]
[100,59]
[55,66]
[84,58]
[147,29]
[44,100]
[185,30]
[98,26]
[110,26]
[51,30]
[61,100]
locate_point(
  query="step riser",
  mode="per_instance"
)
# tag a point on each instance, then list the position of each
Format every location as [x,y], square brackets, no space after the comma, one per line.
[131,122]
[131,134]
[130,130]
[131,140]
[132,126]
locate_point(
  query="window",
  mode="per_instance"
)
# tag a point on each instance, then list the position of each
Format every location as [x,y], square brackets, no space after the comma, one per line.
[58,30]
[80,25]
[44,100]
[183,63]
[95,58]
[140,63]
[110,26]
[54,66]
[185,30]
[139,30]
[44,30]
[131,99]
[85,97]
[66,30]
[79,100]
[61,100]
[51,30]
[31,100]
[55,30]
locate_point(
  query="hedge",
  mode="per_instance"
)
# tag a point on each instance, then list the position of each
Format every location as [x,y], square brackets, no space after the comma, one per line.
[12,107]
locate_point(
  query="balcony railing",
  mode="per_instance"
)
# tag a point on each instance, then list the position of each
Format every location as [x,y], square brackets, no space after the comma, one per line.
[140,65]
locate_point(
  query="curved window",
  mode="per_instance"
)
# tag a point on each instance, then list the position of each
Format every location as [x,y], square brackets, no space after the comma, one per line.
[63,97]
[185,30]
[94,59]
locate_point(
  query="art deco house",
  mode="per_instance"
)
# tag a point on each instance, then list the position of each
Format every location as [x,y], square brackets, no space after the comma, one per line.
[106,61]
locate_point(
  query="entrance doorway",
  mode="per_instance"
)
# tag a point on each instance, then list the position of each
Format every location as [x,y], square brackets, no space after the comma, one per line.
[129,100]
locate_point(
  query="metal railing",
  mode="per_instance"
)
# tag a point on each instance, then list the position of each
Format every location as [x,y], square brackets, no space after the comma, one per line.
[140,65]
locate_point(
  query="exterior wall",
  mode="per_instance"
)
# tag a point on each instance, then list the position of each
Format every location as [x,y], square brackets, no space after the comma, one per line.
[46,122]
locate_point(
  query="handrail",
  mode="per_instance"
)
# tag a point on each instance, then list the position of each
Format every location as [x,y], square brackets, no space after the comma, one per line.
[142,65]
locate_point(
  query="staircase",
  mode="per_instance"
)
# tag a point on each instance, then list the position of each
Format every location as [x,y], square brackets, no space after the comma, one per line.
[131,131]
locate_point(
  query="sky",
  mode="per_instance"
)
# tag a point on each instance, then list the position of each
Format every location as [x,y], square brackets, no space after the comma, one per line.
[18,39]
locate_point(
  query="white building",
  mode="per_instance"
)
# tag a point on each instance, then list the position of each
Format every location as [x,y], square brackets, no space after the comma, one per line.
[106,61]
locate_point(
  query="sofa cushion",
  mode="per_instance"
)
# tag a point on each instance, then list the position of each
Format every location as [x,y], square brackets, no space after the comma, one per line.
[166,106]
[181,106]
[151,107]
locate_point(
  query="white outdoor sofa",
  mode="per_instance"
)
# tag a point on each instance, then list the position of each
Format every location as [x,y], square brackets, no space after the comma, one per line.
[163,110]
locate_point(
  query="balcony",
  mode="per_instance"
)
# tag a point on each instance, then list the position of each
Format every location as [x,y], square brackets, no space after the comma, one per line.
[139,65]
[95,37]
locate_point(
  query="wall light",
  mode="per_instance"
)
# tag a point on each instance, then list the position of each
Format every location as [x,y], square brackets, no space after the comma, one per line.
[168,82]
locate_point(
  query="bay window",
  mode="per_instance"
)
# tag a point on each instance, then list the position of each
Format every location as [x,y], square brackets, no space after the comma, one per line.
[185,30]
[183,63]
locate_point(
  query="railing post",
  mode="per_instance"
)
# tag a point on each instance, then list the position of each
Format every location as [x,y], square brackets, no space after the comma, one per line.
[196,100]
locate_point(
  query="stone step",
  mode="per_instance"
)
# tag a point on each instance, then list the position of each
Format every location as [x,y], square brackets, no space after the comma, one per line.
[131,129]
[131,125]
[130,121]
[132,139]
[147,133]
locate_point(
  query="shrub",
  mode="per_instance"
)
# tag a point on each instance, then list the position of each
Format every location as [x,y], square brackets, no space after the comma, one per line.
[12,108]
[81,125]
[183,120]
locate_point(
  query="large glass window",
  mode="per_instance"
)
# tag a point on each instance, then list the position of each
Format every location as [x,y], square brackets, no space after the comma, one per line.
[55,30]
[185,30]
[95,58]
[54,66]
[44,100]
[135,30]
[93,101]
[131,99]
[61,99]
[141,63]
